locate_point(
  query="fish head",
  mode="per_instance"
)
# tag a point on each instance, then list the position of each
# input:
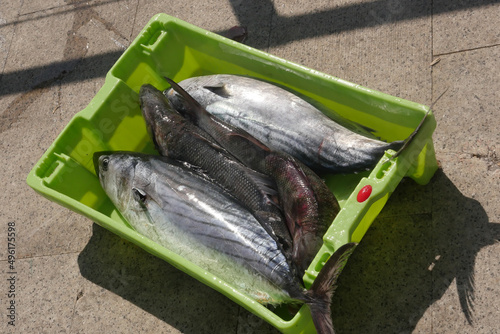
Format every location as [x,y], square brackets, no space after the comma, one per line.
[163,122]
[119,178]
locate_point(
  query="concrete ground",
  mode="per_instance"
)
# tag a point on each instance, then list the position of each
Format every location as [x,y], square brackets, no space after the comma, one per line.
[430,262]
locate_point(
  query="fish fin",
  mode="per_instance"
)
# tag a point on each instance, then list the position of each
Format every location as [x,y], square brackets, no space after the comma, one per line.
[210,142]
[196,112]
[252,140]
[192,108]
[198,171]
[139,195]
[275,200]
[325,198]
[263,181]
[142,198]
[270,222]
[220,90]
[364,127]
[323,287]
[187,97]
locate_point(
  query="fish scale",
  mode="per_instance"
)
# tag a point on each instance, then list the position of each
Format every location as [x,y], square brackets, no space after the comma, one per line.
[223,170]
[193,206]
[307,203]
[176,137]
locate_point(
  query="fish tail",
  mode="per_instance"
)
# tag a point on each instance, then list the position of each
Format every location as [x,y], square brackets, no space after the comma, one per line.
[321,292]
[408,140]
[403,144]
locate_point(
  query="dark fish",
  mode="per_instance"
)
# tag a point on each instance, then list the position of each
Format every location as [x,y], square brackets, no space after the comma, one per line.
[285,122]
[177,207]
[178,138]
[308,204]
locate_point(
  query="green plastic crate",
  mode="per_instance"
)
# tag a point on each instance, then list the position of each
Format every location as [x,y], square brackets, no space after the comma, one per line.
[168,46]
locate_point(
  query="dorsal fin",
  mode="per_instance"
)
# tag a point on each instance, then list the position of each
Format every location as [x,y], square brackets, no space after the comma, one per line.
[245,135]
[197,112]
[188,98]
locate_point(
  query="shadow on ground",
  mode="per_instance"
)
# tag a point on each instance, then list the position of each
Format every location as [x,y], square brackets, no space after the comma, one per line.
[405,263]
[336,18]
[400,268]
[262,33]
[159,288]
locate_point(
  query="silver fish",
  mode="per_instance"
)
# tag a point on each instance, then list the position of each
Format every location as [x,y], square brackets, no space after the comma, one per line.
[177,207]
[308,204]
[178,138]
[284,122]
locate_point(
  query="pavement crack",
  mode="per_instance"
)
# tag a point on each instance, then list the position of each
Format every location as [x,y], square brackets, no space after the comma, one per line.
[14,30]
[74,53]
[133,21]
[79,295]
[84,2]
[108,25]
[466,50]
[490,157]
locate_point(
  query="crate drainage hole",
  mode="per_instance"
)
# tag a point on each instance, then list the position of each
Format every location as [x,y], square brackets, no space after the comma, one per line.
[322,262]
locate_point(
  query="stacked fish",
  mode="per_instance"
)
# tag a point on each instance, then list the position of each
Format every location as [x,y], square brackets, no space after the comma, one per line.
[234,189]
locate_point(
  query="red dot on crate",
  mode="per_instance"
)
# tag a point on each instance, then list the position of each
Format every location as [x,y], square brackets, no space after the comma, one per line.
[364,193]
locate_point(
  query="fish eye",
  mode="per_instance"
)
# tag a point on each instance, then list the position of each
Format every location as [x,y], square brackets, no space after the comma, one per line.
[105,163]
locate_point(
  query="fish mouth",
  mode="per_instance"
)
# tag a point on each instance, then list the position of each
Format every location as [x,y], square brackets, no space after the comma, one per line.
[96,157]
